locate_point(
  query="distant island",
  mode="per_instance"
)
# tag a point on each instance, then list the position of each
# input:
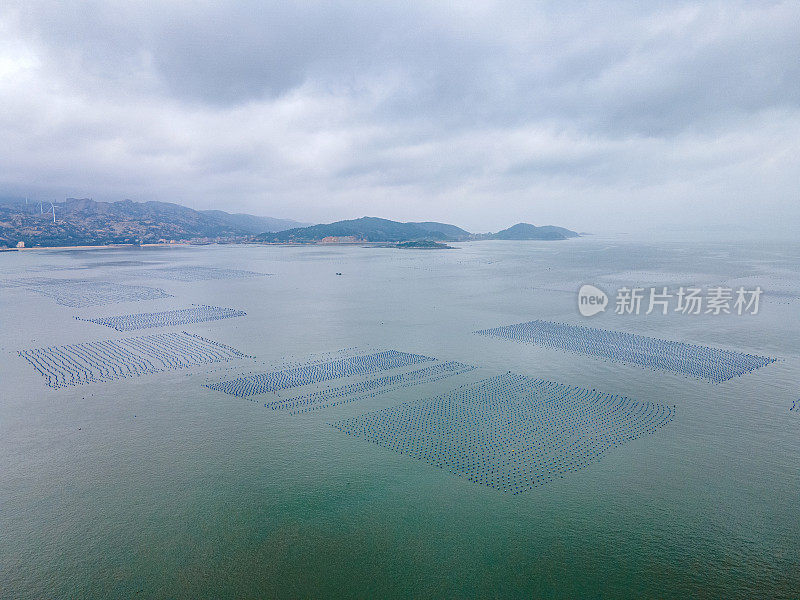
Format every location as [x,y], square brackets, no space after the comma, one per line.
[377,230]
[368,229]
[424,245]
[526,231]
[85,222]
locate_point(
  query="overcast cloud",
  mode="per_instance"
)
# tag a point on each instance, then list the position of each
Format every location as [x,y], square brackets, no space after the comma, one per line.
[602,117]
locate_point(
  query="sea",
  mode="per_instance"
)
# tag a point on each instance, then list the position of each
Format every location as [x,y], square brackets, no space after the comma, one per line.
[153,485]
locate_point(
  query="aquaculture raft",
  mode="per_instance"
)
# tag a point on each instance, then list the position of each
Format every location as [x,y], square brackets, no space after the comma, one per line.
[79,293]
[510,432]
[183,316]
[273,381]
[107,360]
[702,362]
[200,273]
[369,388]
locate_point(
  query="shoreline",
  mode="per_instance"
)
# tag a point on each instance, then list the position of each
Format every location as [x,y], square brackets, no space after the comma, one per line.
[184,244]
[101,246]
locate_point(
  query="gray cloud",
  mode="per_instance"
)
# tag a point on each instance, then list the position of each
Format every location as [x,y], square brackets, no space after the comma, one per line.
[483,115]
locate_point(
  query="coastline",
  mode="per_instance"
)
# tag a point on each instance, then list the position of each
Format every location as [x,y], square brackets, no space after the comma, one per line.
[101,246]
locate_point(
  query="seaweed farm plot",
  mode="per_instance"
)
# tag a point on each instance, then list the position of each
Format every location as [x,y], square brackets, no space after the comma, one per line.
[510,432]
[776,290]
[79,293]
[29,282]
[795,406]
[183,316]
[297,376]
[201,273]
[702,362]
[108,360]
[369,388]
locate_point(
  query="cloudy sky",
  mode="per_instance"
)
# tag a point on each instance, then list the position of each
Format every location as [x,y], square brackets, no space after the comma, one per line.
[599,116]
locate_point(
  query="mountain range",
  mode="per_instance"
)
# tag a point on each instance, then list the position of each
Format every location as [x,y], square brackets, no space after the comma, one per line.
[251,223]
[80,222]
[87,222]
[374,229]
[368,229]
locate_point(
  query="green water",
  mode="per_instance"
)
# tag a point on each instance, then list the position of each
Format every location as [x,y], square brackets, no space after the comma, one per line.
[157,487]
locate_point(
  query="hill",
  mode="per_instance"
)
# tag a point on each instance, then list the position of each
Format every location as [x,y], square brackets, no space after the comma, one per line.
[253,224]
[526,231]
[453,232]
[84,221]
[87,222]
[368,229]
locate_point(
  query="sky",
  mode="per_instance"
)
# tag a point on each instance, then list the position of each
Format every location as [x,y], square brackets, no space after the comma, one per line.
[597,116]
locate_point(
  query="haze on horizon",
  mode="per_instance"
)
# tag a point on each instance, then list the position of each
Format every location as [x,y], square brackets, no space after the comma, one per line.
[596,116]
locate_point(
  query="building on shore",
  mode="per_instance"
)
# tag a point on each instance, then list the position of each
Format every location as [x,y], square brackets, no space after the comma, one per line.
[340,239]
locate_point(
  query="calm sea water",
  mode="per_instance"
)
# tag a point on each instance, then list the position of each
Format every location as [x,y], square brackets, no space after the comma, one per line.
[157,487]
